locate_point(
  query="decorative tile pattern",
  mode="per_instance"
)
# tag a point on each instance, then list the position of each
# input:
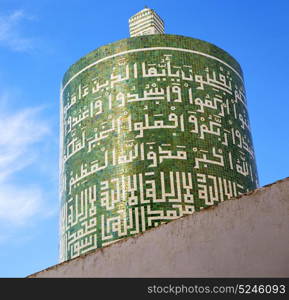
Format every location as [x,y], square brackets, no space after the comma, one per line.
[153,128]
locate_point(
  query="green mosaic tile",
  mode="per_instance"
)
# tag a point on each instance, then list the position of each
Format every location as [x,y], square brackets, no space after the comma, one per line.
[153,128]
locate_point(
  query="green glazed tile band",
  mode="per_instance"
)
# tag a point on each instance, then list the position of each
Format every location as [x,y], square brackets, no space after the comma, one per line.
[150,131]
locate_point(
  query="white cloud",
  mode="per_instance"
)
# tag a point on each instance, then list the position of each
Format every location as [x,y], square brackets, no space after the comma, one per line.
[21,135]
[10,35]
[18,132]
[18,206]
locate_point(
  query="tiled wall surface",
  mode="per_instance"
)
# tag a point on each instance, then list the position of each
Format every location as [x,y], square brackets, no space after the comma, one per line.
[153,128]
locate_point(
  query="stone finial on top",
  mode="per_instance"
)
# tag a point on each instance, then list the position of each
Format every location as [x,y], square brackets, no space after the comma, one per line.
[145,22]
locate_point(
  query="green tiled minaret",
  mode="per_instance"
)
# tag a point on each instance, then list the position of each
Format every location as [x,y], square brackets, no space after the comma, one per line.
[153,128]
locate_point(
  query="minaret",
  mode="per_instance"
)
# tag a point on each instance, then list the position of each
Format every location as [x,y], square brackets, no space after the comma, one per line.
[153,128]
[145,22]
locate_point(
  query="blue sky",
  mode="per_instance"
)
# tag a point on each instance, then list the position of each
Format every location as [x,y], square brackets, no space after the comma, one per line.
[40,39]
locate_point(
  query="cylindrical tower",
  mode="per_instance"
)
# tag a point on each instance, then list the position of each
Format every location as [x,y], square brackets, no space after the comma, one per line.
[153,128]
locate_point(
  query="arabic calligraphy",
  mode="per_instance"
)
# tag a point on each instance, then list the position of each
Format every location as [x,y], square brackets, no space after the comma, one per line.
[148,140]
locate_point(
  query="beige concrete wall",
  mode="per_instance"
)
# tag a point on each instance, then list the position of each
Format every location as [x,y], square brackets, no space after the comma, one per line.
[246,237]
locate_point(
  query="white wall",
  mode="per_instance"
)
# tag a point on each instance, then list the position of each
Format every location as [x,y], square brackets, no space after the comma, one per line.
[246,237]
